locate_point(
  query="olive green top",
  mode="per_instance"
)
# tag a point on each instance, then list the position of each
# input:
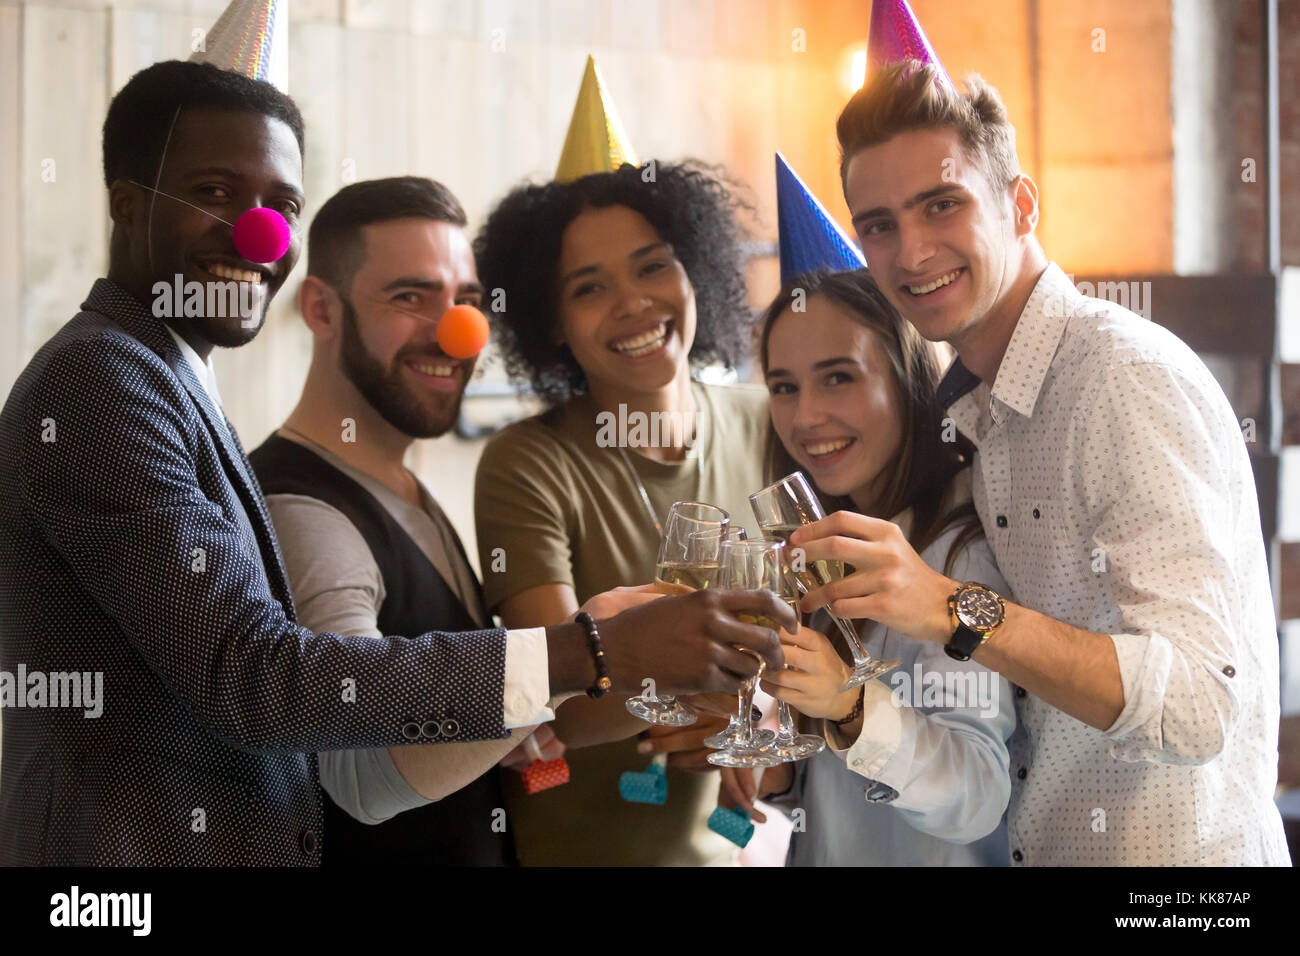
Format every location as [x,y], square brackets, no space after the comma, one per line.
[563,509]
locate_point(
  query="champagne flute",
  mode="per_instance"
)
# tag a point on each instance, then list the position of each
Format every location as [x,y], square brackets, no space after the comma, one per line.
[789,744]
[749,565]
[780,509]
[734,732]
[688,561]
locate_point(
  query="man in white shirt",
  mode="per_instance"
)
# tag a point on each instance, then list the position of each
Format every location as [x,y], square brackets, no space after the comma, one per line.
[1114,485]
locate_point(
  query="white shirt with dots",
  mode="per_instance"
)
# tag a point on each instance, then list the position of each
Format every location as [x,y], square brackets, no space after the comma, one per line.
[1114,484]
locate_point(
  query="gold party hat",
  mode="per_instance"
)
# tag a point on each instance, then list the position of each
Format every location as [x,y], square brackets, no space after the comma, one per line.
[596,142]
[251,37]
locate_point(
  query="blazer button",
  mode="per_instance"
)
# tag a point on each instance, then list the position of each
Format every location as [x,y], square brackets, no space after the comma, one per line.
[1022,773]
[429,728]
[1002,521]
[1018,856]
[307,840]
[411,731]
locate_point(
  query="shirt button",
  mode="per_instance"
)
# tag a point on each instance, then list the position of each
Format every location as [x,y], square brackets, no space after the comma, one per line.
[1017,856]
[307,841]
[1002,521]
[1230,671]
[1037,513]
[1020,692]
[1022,773]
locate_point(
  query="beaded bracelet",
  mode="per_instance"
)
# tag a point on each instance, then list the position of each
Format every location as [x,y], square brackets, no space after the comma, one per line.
[853,715]
[603,683]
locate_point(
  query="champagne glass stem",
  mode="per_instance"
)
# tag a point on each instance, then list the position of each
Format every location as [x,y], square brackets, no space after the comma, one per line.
[747,710]
[788,732]
[855,646]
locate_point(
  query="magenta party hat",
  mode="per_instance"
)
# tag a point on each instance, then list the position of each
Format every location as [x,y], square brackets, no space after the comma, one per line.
[809,237]
[896,35]
[251,37]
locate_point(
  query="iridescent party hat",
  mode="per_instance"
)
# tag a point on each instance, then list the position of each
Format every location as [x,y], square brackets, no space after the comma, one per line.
[596,142]
[251,37]
[809,237]
[896,35]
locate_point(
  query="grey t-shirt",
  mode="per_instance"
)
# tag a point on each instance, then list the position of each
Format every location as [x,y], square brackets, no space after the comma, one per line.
[337,587]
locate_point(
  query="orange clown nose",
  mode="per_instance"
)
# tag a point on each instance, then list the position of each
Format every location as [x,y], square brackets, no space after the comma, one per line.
[462,331]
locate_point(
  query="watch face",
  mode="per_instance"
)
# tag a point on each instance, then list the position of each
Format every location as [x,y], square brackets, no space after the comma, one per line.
[979,609]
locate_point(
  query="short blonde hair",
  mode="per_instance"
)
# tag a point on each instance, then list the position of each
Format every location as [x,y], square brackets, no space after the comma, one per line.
[909,95]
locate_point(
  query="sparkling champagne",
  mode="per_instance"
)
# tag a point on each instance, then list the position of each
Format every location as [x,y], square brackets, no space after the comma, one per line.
[814,574]
[679,577]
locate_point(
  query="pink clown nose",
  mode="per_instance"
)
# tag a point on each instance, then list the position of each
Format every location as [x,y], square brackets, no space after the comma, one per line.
[261,235]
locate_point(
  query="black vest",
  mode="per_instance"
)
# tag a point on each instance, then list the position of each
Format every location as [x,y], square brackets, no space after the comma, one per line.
[457,830]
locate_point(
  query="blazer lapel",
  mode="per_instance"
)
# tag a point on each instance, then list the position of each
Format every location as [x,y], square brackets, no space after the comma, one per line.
[111,300]
[241,477]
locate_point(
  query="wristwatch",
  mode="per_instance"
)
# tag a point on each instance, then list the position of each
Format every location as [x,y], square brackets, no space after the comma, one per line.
[976,612]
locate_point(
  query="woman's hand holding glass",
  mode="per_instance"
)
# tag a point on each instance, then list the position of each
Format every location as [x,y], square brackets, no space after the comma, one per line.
[814,676]
[783,510]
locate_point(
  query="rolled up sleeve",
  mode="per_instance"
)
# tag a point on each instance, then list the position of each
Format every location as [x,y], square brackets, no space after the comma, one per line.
[1166,443]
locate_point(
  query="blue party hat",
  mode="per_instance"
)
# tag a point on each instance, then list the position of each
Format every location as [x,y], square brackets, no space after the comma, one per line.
[810,238]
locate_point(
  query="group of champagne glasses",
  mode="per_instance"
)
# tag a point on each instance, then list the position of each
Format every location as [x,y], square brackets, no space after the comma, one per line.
[701,549]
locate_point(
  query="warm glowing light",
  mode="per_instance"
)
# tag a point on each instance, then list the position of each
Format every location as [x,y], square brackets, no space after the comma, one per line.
[857,70]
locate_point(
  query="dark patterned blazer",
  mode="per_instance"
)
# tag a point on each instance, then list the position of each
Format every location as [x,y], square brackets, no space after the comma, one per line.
[135,543]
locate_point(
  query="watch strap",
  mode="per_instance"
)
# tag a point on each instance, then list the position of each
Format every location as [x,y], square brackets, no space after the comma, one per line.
[963,643]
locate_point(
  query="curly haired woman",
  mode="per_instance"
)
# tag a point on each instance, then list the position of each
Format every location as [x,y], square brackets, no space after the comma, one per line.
[615,287]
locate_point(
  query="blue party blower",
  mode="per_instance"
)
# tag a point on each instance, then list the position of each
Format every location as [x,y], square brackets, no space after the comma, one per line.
[733,824]
[650,786]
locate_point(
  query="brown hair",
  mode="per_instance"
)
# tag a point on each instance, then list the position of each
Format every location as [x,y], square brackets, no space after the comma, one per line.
[909,95]
[925,465]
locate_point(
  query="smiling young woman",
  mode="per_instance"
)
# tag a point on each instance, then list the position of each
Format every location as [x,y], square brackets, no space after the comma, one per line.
[615,288]
[854,406]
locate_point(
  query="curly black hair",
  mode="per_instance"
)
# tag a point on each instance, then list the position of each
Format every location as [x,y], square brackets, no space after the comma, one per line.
[693,206]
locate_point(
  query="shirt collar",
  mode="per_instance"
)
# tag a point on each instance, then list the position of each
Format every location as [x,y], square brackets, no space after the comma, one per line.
[1035,340]
[1033,345]
[203,371]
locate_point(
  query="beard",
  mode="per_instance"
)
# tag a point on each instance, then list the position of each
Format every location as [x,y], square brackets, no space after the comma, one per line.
[385,390]
[232,333]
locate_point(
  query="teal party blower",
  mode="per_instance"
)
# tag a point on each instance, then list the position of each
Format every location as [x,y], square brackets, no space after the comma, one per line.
[733,824]
[650,786]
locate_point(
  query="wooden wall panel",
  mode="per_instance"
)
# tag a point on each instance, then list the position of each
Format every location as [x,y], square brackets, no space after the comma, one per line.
[13,186]
[64,219]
